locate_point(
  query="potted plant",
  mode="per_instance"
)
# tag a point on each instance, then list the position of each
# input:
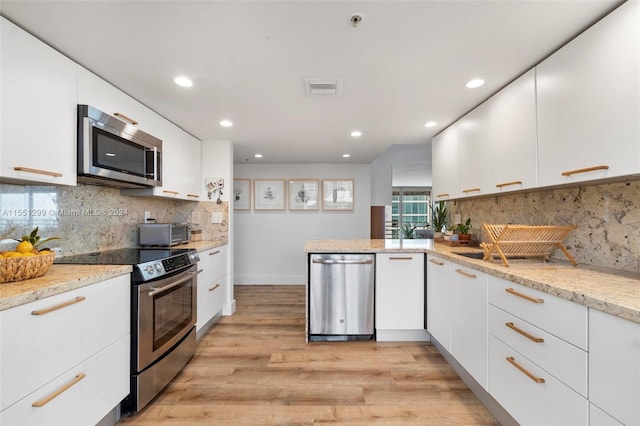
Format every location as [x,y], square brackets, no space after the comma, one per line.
[439,219]
[462,229]
[407,231]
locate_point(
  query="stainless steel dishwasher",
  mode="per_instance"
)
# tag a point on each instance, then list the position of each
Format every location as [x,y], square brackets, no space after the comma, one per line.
[341,295]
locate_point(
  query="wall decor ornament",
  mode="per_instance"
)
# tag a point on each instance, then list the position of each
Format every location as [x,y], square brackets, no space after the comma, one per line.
[241,194]
[337,194]
[303,194]
[269,194]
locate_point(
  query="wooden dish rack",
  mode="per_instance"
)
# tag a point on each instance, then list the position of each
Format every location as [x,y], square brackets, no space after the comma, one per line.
[525,241]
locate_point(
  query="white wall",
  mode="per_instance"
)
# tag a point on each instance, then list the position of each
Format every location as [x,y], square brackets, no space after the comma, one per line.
[269,245]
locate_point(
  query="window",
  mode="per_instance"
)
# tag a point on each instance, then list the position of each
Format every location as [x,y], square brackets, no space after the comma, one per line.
[410,210]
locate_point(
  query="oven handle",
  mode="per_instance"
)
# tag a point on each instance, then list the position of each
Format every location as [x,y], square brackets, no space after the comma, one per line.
[158,290]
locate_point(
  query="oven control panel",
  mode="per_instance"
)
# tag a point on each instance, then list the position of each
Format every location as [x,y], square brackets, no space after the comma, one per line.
[157,268]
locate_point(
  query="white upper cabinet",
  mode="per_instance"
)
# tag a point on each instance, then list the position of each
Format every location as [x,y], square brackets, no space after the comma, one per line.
[589,103]
[38,111]
[444,153]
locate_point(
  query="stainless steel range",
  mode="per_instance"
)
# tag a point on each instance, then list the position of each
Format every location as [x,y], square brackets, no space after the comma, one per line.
[163,314]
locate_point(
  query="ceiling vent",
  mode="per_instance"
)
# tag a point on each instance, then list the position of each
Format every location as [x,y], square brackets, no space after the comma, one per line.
[316,87]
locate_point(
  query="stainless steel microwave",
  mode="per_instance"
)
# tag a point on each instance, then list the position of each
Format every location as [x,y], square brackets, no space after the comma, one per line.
[114,153]
[163,234]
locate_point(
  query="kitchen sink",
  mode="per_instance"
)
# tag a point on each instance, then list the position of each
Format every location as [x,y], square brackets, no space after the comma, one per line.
[472,255]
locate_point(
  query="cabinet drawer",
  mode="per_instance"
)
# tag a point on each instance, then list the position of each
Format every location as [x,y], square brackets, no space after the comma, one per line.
[214,263]
[104,384]
[562,318]
[38,348]
[211,299]
[566,362]
[531,403]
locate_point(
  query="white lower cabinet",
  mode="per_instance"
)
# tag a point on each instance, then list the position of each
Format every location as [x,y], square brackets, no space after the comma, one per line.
[469,321]
[399,291]
[530,394]
[81,396]
[212,285]
[614,366]
[46,343]
[439,300]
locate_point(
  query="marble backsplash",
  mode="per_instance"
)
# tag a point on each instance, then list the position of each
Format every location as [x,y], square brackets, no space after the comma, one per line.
[607,217]
[92,218]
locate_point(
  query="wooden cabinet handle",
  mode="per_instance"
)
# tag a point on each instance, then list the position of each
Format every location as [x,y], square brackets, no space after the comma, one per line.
[167,191]
[125,118]
[515,182]
[401,258]
[45,400]
[524,333]
[585,170]
[214,287]
[466,274]
[530,375]
[215,252]
[59,306]
[193,196]
[37,171]
[524,296]
[442,195]
[436,262]
[466,191]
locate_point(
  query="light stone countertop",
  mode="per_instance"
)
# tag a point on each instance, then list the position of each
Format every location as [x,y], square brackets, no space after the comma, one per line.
[608,290]
[61,278]
[58,279]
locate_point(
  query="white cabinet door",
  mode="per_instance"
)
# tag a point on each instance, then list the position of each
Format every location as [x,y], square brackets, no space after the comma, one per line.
[400,291]
[97,386]
[530,394]
[473,152]
[212,284]
[588,105]
[597,417]
[38,111]
[469,321]
[444,164]
[511,137]
[39,342]
[439,300]
[614,366]
[100,94]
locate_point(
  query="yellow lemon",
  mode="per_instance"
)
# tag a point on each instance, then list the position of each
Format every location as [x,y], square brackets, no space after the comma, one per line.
[13,254]
[24,247]
[28,254]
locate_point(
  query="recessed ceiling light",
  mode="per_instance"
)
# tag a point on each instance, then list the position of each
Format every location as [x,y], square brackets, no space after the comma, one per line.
[226,123]
[356,134]
[430,124]
[346,155]
[257,155]
[183,81]
[476,82]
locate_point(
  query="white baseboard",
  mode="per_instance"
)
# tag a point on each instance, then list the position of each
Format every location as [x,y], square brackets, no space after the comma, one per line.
[402,335]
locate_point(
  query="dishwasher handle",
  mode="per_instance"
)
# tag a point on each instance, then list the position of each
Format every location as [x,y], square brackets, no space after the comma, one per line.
[344,261]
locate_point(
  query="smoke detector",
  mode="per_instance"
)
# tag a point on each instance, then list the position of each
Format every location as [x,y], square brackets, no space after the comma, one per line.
[323,87]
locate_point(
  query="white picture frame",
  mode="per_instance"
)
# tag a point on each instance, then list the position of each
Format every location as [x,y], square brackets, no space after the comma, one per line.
[337,194]
[241,194]
[304,194]
[269,194]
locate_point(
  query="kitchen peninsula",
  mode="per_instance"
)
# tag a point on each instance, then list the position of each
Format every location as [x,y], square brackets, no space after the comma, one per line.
[537,342]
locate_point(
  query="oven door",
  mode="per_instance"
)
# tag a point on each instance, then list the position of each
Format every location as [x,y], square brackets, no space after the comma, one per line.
[166,312]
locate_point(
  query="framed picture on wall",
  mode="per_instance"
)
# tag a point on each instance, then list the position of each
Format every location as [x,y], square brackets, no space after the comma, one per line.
[303,194]
[337,194]
[269,194]
[242,194]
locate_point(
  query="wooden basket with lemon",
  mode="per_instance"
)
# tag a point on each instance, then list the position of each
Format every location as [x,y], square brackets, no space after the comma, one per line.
[27,260]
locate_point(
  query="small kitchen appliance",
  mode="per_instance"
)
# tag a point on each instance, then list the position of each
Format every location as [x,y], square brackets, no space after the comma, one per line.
[163,314]
[163,234]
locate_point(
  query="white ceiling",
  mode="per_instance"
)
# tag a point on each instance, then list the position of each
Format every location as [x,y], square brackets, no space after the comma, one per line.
[406,63]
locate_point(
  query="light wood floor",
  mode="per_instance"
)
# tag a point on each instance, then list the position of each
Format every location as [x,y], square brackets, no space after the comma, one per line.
[254,368]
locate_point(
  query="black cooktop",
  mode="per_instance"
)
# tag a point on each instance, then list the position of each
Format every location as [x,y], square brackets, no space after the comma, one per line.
[124,256]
